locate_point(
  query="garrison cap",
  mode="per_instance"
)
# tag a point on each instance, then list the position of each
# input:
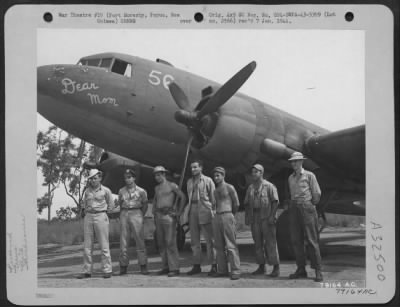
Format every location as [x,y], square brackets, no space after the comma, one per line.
[259,167]
[159,169]
[130,171]
[219,169]
[296,156]
[93,172]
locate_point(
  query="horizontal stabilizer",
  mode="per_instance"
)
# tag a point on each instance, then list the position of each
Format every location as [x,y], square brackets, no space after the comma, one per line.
[342,152]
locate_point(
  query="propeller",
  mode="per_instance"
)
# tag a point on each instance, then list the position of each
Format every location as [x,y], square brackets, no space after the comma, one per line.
[194,120]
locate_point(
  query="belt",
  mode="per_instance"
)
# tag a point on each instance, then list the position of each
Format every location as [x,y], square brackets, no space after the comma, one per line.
[224,212]
[194,202]
[93,212]
[131,208]
[165,210]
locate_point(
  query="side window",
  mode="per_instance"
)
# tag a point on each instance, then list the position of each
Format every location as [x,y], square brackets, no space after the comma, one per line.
[122,68]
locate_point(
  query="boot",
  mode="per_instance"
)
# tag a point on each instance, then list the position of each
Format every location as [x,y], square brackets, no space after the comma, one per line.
[235,276]
[275,272]
[107,275]
[123,270]
[143,269]
[195,270]
[260,270]
[300,273]
[318,275]
[173,273]
[213,270]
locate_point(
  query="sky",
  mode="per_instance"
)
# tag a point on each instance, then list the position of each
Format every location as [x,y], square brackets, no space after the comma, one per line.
[317,75]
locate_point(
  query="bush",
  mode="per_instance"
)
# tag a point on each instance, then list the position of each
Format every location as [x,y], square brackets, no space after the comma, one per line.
[60,232]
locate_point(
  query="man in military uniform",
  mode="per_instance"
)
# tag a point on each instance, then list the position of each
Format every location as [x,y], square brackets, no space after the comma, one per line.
[227,204]
[200,189]
[166,214]
[133,203]
[97,201]
[261,203]
[305,194]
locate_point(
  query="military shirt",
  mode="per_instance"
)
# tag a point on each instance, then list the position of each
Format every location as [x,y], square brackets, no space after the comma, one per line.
[132,198]
[261,198]
[98,200]
[195,192]
[205,190]
[304,187]
[206,198]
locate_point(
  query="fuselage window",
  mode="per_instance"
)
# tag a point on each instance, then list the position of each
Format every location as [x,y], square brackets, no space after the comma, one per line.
[122,68]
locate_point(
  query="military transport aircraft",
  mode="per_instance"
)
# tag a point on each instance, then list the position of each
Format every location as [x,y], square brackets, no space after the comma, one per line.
[146,113]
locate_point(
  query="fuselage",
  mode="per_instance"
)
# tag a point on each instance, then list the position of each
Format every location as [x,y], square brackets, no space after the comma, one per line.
[122,103]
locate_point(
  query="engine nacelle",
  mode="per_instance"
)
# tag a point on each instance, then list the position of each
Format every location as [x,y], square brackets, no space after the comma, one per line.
[275,149]
[233,136]
[113,167]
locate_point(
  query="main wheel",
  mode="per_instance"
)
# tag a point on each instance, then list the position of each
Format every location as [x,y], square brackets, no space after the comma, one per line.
[155,240]
[285,247]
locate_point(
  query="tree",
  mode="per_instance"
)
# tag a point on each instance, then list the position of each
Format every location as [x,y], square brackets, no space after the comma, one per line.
[59,157]
[65,214]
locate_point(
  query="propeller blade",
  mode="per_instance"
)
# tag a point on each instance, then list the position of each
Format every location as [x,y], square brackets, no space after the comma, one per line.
[179,96]
[227,90]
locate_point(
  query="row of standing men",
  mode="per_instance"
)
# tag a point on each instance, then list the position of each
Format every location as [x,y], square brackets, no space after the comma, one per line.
[210,210]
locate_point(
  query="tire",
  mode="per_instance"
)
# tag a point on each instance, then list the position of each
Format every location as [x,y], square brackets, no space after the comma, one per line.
[285,247]
[180,236]
[155,240]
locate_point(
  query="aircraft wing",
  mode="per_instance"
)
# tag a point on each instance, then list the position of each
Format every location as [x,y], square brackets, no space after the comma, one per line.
[342,152]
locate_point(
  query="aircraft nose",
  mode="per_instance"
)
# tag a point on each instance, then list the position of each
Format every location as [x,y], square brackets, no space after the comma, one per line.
[46,77]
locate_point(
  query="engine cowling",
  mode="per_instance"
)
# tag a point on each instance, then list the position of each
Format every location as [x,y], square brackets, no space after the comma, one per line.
[230,131]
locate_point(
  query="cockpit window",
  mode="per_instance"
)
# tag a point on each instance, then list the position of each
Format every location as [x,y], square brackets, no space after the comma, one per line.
[106,63]
[93,62]
[118,66]
[122,68]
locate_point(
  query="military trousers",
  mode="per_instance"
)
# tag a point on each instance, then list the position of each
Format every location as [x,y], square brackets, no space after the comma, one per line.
[303,220]
[166,240]
[195,230]
[225,243]
[96,224]
[132,221]
[264,236]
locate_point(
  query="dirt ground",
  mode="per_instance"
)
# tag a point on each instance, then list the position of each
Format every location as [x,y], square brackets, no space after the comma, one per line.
[343,257]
